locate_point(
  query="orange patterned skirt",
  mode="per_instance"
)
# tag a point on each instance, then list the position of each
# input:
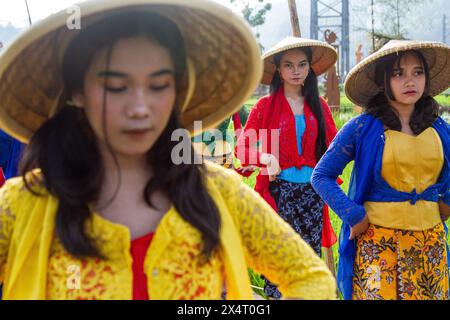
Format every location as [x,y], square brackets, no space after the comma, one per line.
[401,265]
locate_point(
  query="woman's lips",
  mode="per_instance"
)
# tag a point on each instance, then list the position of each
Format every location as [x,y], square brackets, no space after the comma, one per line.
[136,132]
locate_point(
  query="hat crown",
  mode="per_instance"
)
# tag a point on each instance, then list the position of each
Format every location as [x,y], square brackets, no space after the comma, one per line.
[323,55]
[395,43]
[221,52]
[291,42]
[360,86]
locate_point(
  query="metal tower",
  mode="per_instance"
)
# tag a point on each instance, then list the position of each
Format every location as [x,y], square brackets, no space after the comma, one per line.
[333,15]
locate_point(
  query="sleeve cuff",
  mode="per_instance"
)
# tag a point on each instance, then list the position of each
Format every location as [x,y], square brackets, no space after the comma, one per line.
[355,215]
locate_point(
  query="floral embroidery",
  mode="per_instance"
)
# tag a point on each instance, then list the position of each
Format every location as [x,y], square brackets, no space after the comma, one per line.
[412,265]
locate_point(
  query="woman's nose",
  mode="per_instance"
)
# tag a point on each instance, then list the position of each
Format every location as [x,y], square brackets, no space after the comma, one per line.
[139,106]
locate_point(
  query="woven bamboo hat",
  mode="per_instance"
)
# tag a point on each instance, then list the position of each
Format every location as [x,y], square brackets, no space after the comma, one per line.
[223,62]
[324,56]
[360,84]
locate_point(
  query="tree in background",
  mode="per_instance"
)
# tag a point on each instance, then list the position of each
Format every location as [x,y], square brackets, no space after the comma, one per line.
[393,14]
[396,12]
[254,12]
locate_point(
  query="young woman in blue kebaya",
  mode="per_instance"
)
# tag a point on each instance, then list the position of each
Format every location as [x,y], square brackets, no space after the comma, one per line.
[393,239]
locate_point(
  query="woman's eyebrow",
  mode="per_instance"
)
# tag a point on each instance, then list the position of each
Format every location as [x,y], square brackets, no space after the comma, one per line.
[287,61]
[161,72]
[112,73]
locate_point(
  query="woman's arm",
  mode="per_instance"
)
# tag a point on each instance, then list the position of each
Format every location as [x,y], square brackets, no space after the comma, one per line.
[273,248]
[330,126]
[339,154]
[444,205]
[246,150]
[9,200]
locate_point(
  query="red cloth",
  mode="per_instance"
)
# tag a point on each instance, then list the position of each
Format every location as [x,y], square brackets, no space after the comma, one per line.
[237,130]
[2,177]
[138,250]
[236,122]
[273,112]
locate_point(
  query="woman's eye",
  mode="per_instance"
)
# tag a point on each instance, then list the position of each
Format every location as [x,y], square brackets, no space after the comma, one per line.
[418,73]
[159,88]
[115,89]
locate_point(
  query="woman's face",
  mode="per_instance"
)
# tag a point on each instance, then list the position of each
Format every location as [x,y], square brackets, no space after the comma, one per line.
[140,95]
[407,81]
[294,67]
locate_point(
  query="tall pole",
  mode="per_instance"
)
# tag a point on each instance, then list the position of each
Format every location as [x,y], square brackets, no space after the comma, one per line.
[398,20]
[444,29]
[373,28]
[345,40]
[314,22]
[294,19]
[28,10]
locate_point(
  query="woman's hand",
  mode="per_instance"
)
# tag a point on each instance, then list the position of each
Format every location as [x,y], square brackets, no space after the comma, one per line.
[272,165]
[444,210]
[359,228]
[248,168]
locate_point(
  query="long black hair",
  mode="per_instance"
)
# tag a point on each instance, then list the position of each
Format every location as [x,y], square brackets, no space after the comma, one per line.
[426,109]
[310,91]
[66,150]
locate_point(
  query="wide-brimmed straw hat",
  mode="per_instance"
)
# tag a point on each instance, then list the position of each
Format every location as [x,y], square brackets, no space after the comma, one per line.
[223,61]
[360,84]
[324,56]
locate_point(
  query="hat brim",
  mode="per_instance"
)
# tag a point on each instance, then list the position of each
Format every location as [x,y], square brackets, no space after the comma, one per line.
[324,56]
[360,86]
[220,45]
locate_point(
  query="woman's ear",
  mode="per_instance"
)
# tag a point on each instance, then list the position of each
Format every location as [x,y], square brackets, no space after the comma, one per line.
[78,100]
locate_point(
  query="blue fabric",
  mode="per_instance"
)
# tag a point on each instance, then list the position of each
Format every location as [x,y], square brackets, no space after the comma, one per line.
[362,140]
[446,197]
[293,174]
[10,152]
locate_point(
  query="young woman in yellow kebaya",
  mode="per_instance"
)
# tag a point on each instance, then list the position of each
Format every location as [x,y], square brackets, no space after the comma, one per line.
[105,209]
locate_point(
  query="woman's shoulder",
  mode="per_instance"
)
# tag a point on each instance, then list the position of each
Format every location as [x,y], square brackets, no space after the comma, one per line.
[323,102]
[358,121]
[442,122]
[261,103]
[23,188]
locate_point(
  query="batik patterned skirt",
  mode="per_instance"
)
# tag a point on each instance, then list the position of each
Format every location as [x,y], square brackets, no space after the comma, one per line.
[300,206]
[395,264]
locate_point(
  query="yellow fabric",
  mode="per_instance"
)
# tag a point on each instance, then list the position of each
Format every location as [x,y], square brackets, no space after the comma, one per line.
[409,162]
[401,265]
[34,264]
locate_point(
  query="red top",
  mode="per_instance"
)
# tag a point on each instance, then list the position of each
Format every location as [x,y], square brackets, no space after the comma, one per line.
[138,250]
[274,112]
[2,177]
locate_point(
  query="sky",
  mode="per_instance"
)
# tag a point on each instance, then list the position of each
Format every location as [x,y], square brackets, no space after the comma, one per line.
[424,22]
[15,11]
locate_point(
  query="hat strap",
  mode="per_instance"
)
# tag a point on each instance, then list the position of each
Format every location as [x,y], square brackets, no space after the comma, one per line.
[190,85]
[55,104]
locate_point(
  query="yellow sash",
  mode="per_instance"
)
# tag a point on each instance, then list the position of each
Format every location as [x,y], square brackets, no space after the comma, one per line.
[27,262]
